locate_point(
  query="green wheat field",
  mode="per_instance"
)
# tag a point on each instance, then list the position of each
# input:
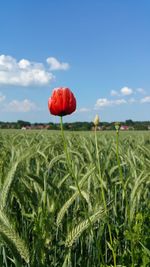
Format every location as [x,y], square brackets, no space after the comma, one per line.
[85,203]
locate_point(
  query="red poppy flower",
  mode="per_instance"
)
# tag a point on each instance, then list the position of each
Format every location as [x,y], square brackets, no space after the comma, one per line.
[62,102]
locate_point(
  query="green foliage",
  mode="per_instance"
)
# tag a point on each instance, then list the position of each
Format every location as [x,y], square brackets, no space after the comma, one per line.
[50,216]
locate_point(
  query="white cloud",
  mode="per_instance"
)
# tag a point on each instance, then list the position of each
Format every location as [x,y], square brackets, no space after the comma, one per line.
[56,65]
[104,102]
[132,100]
[26,73]
[119,101]
[146,99]
[2,97]
[24,64]
[123,91]
[141,90]
[114,93]
[20,106]
[7,63]
[83,110]
[126,91]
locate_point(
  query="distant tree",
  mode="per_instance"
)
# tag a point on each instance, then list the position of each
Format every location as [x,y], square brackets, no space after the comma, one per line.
[21,123]
[129,122]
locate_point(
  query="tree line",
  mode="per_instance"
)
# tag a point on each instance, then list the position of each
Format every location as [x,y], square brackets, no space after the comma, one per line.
[76,126]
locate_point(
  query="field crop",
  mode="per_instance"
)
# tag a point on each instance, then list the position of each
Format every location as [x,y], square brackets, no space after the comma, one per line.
[85,204]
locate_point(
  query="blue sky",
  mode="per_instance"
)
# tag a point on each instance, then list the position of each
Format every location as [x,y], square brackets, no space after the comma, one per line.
[100,49]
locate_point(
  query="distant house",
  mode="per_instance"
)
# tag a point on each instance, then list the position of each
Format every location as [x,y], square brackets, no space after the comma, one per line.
[148,127]
[124,128]
[28,127]
[47,127]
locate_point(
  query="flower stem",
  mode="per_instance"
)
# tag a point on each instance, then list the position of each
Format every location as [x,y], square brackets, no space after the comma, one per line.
[69,164]
[118,158]
[65,144]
